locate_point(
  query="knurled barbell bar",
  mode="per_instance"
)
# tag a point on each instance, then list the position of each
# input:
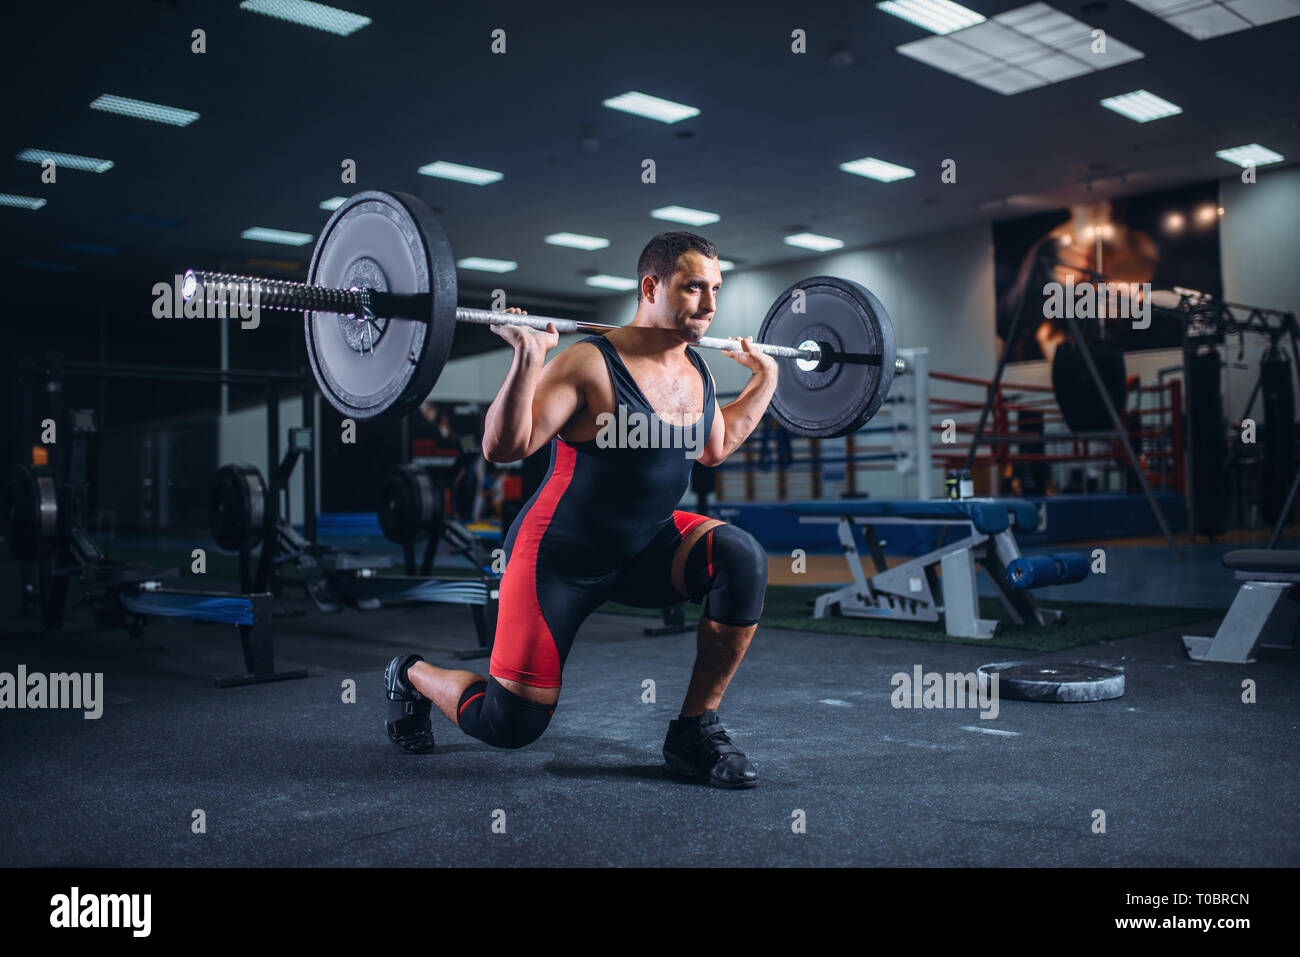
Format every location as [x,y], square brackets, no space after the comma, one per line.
[383,256]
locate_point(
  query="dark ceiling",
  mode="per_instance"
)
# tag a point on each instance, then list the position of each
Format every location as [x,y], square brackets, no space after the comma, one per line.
[282,106]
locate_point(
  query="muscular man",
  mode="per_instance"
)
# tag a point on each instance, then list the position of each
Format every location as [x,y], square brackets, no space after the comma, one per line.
[603,525]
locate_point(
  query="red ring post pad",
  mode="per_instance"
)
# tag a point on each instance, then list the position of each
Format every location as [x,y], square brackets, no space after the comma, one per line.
[1035,571]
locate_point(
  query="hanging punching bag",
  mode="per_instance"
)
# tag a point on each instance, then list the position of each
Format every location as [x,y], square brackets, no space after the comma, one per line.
[1076,393]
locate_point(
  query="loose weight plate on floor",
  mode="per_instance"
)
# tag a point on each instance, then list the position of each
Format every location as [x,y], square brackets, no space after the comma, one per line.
[1064,681]
[389,242]
[843,396]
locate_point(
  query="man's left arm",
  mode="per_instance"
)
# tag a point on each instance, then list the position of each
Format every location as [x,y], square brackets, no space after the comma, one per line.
[736,421]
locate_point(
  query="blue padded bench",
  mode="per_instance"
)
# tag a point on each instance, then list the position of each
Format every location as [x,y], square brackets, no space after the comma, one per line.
[907,592]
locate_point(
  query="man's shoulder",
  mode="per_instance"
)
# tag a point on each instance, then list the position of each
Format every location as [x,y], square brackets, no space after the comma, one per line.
[578,361]
[586,352]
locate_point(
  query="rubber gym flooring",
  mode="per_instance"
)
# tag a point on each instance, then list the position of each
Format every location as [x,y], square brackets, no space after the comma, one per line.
[286,773]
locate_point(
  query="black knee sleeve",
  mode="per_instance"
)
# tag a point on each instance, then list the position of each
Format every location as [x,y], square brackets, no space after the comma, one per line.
[501,718]
[729,566]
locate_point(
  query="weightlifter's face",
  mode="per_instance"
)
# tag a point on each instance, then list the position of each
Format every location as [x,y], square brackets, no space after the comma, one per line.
[691,294]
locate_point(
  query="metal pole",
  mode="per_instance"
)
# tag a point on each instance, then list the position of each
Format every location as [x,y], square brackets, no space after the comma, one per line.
[920,359]
[1189,425]
[309,461]
[54,388]
[270,539]
[1121,433]
[1040,263]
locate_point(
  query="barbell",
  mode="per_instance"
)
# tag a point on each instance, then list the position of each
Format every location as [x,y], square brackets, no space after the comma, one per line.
[380,312]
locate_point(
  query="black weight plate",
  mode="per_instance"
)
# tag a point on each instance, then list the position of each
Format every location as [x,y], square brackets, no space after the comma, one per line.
[843,398]
[1055,681]
[410,504]
[1076,393]
[33,529]
[236,507]
[389,242]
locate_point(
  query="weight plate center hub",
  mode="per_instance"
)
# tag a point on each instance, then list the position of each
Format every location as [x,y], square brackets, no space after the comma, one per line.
[363,333]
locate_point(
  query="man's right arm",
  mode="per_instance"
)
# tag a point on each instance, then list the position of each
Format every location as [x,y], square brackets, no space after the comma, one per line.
[534,402]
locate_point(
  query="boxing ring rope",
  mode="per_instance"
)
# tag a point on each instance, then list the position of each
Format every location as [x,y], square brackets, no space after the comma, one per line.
[782,467]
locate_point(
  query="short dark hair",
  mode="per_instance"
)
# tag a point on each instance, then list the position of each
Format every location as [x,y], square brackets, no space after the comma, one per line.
[659,258]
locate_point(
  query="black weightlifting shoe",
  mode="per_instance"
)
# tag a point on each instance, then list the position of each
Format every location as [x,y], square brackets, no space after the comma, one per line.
[698,748]
[408,721]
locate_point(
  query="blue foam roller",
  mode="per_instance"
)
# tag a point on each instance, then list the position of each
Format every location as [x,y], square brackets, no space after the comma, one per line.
[1032,571]
[1035,571]
[1073,567]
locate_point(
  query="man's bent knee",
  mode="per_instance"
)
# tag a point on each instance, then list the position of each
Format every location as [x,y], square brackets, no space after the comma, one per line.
[547,696]
[731,567]
[496,716]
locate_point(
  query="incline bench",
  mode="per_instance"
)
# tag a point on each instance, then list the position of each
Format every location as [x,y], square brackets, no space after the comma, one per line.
[1264,611]
[907,592]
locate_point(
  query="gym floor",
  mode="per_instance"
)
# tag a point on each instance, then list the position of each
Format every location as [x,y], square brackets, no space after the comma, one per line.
[287,774]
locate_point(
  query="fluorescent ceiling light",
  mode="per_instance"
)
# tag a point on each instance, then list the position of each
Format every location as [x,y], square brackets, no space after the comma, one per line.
[68,160]
[725,264]
[318,16]
[821,244]
[937,16]
[1206,19]
[333,203]
[683,214]
[22,202]
[642,104]
[877,169]
[577,241]
[284,237]
[143,110]
[621,283]
[1024,48]
[1251,154]
[461,174]
[1141,106]
[487,265]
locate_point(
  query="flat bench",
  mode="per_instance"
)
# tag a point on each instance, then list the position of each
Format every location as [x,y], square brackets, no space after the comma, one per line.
[1264,612]
[907,592]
